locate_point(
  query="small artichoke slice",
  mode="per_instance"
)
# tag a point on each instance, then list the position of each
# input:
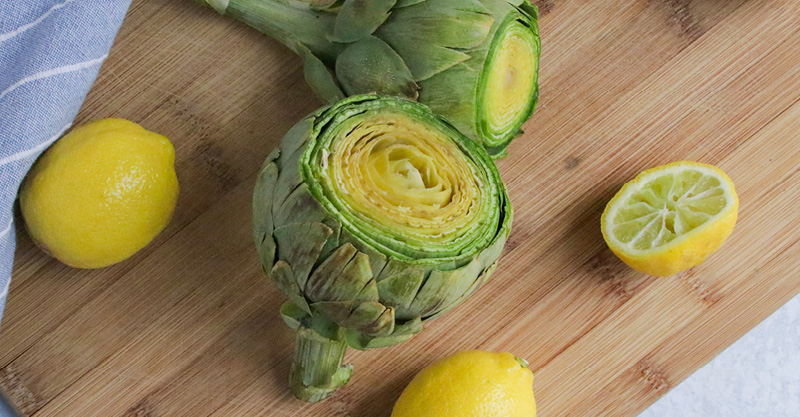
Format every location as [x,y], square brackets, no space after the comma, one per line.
[508,90]
[373,216]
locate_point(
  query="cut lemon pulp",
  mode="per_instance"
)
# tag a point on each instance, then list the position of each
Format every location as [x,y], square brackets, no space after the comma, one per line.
[670,218]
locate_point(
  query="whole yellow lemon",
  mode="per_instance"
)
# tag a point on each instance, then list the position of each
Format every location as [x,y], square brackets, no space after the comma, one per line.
[101,193]
[470,384]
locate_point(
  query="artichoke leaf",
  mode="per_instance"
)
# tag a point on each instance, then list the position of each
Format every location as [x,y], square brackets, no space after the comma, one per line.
[266,251]
[333,241]
[338,311]
[262,198]
[453,27]
[371,318]
[320,78]
[262,211]
[341,277]
[369,292]
[299,204]
[487,257]
[370,65]
[293,141]
[283,277]
[359,18]
[288,181]
[399,283]
[405,3]
[293,316]
[443,288]
[299,246]
[426,60]
[377,260]
[402,332]
[478,283]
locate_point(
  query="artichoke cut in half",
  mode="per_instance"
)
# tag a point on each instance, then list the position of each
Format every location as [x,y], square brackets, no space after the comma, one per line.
[372,216]
[474,62]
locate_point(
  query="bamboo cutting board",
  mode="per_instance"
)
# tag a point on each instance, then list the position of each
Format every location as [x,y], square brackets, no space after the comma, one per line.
[190,327]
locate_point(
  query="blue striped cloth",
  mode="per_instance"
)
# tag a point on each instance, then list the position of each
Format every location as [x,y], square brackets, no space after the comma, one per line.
[50,52]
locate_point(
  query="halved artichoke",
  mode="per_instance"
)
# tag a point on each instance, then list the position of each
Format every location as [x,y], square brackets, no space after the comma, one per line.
[373,216]
[475,62]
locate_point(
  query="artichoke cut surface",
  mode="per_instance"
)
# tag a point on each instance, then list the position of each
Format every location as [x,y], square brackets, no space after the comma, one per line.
[373,216]
[405,187]
[509,88]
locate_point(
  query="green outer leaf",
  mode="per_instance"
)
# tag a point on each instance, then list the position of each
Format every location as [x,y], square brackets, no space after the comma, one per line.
[401,333]
[299,245]
[320,78]
[293,315]
[283,277]
[445,95]
[340,277]
[406,3]
[328,5]
[435,35]
[398,285]
[262,209]
[337,311]
[477,284]
[359,18]
[371,318]
[456,24]
[370,65]
[299,204]
[442,288]
[377,260]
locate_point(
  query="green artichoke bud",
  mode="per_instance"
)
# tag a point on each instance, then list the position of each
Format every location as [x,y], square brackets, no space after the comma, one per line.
[373,216]
[475,62]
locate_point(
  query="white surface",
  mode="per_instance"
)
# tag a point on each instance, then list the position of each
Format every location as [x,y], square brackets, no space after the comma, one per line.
[758,376]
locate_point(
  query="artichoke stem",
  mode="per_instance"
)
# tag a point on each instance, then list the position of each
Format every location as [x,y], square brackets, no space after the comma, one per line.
[317,370]
[285,23]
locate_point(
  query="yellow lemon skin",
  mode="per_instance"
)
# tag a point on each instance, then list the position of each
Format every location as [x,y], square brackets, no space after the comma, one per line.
[686,251]
[101,193]
[470,384]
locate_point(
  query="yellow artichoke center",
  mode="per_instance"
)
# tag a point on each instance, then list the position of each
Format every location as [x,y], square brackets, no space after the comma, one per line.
[405,176]
[511,80]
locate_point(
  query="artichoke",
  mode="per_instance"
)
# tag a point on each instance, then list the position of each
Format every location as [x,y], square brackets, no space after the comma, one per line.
[372,216]
[475,62]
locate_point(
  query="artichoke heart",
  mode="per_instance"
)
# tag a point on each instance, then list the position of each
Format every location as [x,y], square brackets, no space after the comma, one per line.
[373,216]
[474,62]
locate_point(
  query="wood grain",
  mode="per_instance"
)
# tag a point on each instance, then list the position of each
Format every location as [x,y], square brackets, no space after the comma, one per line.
[189,326]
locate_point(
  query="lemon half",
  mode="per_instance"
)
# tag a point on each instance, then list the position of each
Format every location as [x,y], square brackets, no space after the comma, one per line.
[670,218]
